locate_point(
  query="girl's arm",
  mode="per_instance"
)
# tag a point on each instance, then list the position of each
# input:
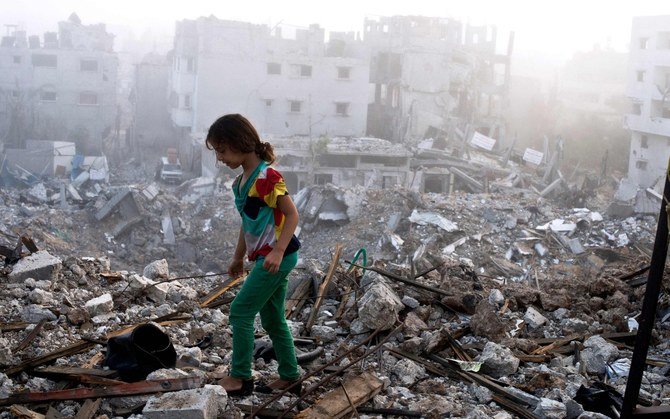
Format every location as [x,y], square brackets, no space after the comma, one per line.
[237,264]
[274,258]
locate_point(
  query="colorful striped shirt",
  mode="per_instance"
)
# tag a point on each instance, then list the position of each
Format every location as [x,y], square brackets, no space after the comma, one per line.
[262,221]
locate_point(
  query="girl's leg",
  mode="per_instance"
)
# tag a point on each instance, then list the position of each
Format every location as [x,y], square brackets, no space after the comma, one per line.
[258,288]
[274,322]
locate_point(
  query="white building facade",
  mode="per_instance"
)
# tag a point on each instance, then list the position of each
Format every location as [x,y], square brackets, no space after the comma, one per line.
[61,87]
[649,92]
[286,87]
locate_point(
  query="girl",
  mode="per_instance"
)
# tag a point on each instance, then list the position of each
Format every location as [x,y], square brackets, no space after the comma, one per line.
[269,219]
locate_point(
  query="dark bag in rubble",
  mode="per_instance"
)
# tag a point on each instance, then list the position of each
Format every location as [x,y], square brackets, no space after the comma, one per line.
[137,353]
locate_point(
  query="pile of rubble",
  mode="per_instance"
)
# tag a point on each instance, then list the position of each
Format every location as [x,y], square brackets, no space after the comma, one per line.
[474,305]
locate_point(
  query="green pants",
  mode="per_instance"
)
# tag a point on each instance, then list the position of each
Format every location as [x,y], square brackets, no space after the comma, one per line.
[264,293]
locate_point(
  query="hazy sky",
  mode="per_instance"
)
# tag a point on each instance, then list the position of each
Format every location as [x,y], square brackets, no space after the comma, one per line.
[554,28]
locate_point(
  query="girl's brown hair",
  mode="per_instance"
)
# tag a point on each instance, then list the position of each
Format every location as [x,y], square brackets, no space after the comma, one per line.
[236,132]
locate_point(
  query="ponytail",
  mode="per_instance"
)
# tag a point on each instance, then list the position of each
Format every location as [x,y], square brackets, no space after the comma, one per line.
[265,151]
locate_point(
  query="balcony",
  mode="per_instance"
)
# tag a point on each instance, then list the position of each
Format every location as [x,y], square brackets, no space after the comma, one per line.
[656,125]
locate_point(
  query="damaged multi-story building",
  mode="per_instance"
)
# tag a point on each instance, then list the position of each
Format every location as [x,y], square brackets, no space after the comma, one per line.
[649,91]
[59,87]
[435,74]
[287,86]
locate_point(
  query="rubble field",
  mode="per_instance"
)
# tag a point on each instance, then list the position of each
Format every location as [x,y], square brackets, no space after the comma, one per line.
[487,305]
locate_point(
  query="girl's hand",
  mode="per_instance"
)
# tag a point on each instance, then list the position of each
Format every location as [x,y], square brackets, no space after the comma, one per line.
[236,268]
[273,260]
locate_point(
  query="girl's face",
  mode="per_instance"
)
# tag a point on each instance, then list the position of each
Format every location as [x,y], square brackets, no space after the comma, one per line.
[229,157]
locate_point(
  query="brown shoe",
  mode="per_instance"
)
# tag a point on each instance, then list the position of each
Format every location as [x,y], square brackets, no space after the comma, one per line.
[237,387]
[280,385]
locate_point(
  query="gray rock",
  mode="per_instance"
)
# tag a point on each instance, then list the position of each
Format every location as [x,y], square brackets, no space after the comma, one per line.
[100,305]
[550,409]
[498,361]
[39,265]
[573,409]
[496,298]
[597,354]
[410,302]
[408,371]
[35,313]
[39,296]
[199,403]
[324,333]
[378,308]
[534,318]
[157,269]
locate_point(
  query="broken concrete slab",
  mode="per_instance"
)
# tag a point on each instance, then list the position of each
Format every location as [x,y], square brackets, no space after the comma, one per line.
[378,308]
[498,361]
[39,265]
[113,203]
[100,305]
[200,403]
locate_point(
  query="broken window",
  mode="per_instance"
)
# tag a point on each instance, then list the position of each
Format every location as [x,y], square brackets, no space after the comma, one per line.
[44,60]
[274,68]
[637,109]
[88,65]
[296,105]
[268,102]
[344,73]
[187,101]
[301,70]
[640,75]
[48,94]
[88,98]
[644,141]
[190,64]
[15,94]
[389,181]
[641,164]
[176,64]
[644,43]
[342,109]
[17,59]
[335,160]
[389,161]
[323,178]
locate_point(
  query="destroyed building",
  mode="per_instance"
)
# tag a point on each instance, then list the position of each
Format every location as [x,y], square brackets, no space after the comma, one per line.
[433,72]
[649,94]
[301,86]
[59,87]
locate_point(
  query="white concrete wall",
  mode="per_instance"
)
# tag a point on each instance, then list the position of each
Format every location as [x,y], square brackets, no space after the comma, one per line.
[68,81]
[232,77]
[646,165]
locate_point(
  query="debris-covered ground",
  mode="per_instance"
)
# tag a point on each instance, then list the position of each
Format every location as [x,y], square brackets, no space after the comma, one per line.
[501,304]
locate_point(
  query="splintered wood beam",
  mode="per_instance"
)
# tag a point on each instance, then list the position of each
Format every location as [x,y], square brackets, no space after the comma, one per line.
[88,409]
[216,293]
[343,400]
[129,389]
[22,412]
[14,326]
[72,349]
[322,288]
[298,298]
[30,337]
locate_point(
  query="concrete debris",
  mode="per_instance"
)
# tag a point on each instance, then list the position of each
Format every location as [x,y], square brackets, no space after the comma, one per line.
[100,305]
[378,308]
[498,361]
[39,265]
[528,289]
[200,403]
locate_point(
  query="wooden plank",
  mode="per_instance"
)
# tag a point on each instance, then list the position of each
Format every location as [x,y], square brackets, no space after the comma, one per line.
[129,389]
[297,300]
[209,298]
[88,409]
[322,288]
[342,401]
[30,337]
[22,412]
[13,326]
